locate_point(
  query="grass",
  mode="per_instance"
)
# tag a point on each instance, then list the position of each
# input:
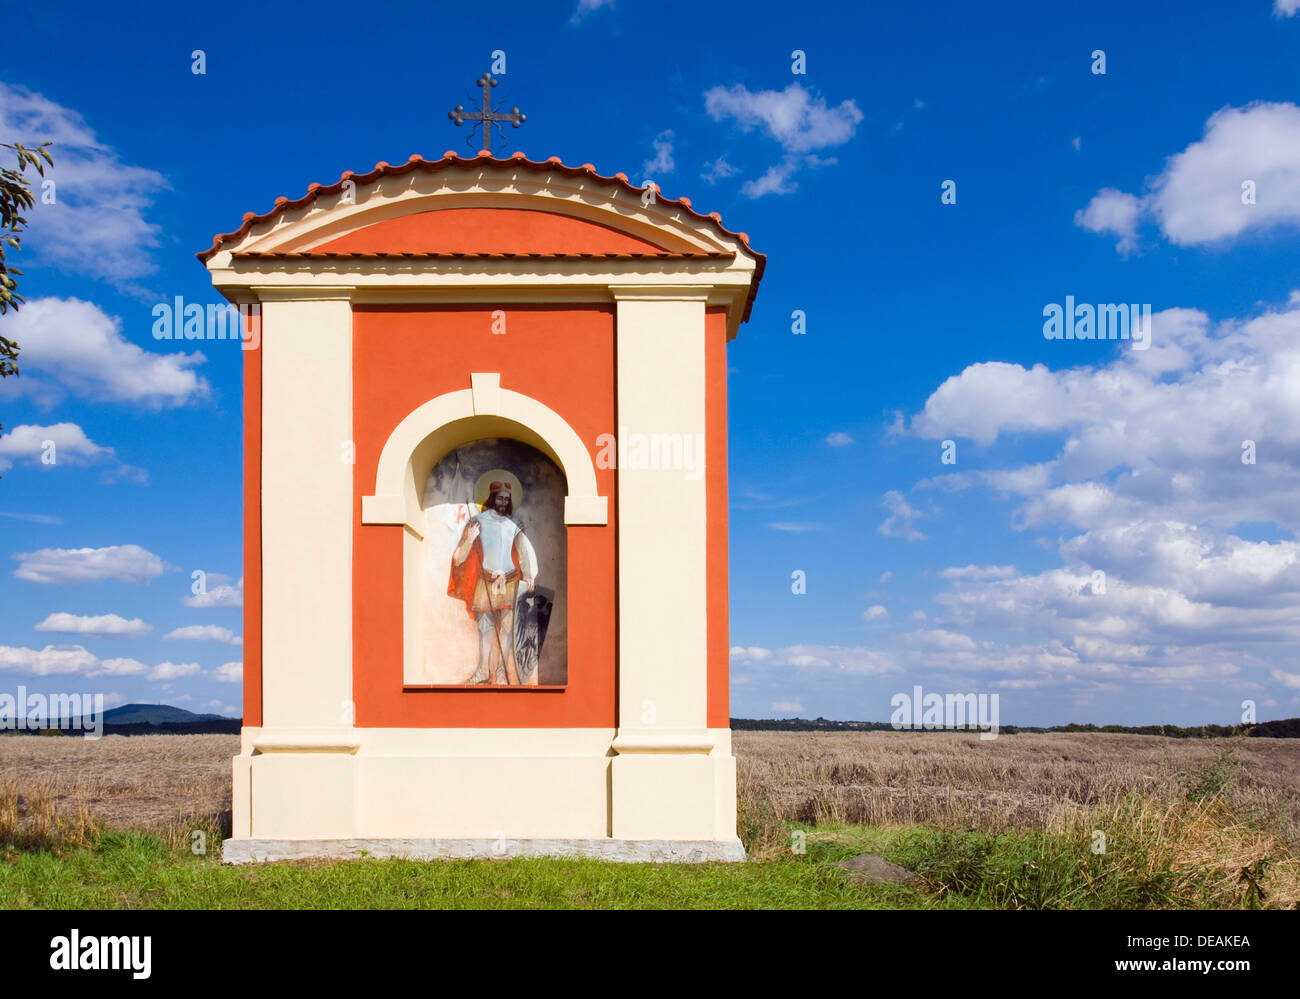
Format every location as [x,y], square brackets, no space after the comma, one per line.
[139,870]
[1025,822]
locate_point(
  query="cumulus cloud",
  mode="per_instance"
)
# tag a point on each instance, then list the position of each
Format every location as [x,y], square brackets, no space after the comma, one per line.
[1115,213]
[71,347]
[874,613]
[1154,460]
[838,438]
[799,120]
[1242,175]
[217,593]
[662,161]
[174,671]
[901,514]
[104,624]
[796,118]
[97,226]
[64,660]
[126,563]
[1155,435]
[716,170]
[204,633]
[118,667]
[979,572]
[63,443]
[229,673]
[1285,8]
[53,660]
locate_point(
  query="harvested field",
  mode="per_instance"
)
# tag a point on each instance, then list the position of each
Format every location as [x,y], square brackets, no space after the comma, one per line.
[878,778]
[136,782]
[1015,781]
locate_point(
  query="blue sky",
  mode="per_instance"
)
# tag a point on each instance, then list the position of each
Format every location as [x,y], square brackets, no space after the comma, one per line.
[924,325]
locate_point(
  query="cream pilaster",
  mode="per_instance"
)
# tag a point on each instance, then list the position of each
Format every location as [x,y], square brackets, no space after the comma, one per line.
[307,511]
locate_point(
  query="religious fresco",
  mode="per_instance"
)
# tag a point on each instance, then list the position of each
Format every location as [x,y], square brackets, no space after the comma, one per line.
[494,569]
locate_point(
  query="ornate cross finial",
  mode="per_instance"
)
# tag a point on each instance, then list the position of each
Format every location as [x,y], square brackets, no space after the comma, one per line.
[485,116]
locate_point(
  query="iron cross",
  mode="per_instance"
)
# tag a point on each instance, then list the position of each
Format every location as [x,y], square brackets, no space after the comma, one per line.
[485,116]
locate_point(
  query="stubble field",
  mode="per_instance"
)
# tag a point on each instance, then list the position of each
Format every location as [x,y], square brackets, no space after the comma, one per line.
[1010,822]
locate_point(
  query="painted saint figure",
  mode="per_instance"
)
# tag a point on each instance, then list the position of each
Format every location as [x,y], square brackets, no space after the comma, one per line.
[494,555]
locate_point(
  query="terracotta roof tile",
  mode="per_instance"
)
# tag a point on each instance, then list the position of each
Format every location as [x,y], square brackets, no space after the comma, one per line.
[452,159]
[463,255]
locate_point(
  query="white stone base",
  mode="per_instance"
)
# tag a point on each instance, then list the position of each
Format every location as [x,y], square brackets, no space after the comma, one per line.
[252,850]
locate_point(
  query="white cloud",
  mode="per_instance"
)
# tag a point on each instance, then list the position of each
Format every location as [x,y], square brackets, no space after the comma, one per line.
[901,514]
[174,671]
[979,572]
[61,444]
[66,660]
[794,117]
[74,347]
[31,442]
[799,120]
[775,180]
[97,226]
[118,667]
[104,624]
[854,660]
[838,438]
[1289,680]
[204,633]
[50,661]
[1114,212]
[229,673]
[793,707]
[794,527]
[716,170]
[874,613]
[1197,200]
[1156,587]
[585,7]
[942,640]
[1149,435]
[1285,8]
[662,161]
[886,576]
[217,594]
[127,563]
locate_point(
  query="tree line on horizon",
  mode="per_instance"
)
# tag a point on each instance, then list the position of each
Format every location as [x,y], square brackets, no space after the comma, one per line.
[1284,728]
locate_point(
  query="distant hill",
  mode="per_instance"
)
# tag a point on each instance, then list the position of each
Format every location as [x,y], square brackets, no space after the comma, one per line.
[1282,728]
[153,714]
[153,719]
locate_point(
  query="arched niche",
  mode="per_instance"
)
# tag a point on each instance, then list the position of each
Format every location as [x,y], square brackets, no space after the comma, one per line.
[483,410]
[438,427]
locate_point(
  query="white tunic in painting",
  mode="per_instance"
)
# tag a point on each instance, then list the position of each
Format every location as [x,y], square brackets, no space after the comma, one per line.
[499,534]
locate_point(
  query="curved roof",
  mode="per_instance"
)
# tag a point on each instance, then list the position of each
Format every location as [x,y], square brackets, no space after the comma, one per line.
[452,159]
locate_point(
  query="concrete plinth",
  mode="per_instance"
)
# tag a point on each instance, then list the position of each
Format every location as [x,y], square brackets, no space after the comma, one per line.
[250,850]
